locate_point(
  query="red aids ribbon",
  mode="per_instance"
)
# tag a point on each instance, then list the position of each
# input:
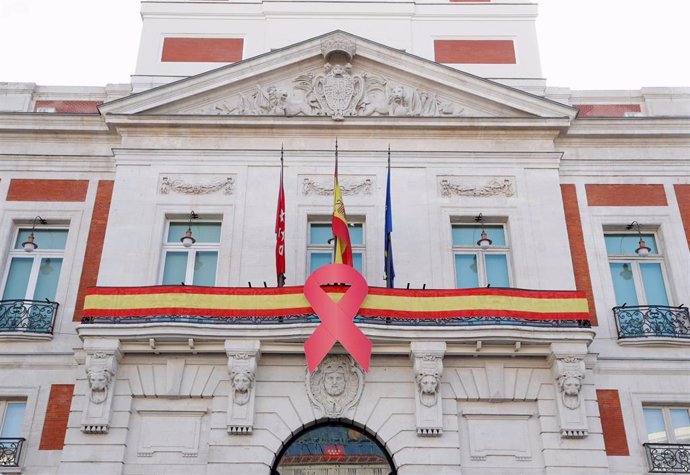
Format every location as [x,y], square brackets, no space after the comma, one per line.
[336,318]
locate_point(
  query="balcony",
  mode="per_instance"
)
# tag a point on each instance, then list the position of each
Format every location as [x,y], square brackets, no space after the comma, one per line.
[652,321]
[668,458]
[27,316]
[10,451]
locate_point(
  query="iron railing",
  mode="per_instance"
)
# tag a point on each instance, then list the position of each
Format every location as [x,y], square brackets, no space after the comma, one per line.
[312,318]
[652,320]
[668,458]
[28,316]
[10,451]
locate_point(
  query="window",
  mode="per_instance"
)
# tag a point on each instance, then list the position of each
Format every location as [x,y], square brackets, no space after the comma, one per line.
[196,265]
[667,424]
[320,250]
[11,418]
[477,267]
[35,275]
[636,280]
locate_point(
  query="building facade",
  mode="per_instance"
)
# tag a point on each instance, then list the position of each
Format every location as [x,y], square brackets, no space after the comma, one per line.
[560,347]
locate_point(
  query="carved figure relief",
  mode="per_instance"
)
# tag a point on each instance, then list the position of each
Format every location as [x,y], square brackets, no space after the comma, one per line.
[457,186]
[338,92]
[335,386]
[570,382]
[100,367]
[569,373]
[242,380]
[349,185]
[427,385]
[427,358]
[99,381]
[179,185]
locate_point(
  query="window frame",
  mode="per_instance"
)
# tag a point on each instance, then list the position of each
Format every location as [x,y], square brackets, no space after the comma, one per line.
[668,423]
[4,403]
[636,260]
[352,221]
[37,256]
[190,251]
[482,276]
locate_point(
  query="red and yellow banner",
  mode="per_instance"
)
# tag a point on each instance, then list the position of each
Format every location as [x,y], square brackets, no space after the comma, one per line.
[380,302]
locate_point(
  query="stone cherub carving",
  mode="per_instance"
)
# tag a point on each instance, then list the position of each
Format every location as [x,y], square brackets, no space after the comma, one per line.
[335,386]
[242,381]
[427,384]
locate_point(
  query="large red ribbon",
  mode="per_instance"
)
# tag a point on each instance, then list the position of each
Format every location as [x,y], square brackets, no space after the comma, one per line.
[336,318]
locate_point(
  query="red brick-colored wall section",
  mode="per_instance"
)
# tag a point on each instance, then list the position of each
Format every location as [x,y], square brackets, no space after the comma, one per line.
[578,251]
[47,190]
[474,51]
[612,424]
[94,245]
[606,110]
[683,198]
[70,107]
[57,414]
[202,50]
[626,195]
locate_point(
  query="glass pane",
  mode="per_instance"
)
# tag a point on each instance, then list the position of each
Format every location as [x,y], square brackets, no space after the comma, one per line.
[680,419]
[654,420]
[202,232]
[623,283]
[44,238]
[175,268]
[205,268]
[617,244]
[48,275]
[357,259]
[356,234]
[320,233]
[497,270]
[467,236]
[318,259]
[18,278]
[653,281]
[466,276]
[14,416]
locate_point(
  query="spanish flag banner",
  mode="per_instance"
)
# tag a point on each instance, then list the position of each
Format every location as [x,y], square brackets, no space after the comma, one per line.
[219,302]
[343,247]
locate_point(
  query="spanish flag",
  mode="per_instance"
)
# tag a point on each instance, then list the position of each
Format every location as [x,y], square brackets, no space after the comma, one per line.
[343,247]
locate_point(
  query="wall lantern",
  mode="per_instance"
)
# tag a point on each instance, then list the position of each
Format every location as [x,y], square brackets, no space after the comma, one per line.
[187,240]
[642,249]
[30,245]
[484,242]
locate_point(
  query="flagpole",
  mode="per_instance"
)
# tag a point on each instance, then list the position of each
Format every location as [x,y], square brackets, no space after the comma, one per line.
[280,229]
[388,229]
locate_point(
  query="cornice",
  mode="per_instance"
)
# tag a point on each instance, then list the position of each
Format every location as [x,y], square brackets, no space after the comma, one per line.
[629,127]
[38,122]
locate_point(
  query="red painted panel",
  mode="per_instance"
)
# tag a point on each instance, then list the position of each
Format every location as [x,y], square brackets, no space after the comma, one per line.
[474,51]
[683,198]
[47,190]
[626,195]
[612,422]
[202,50]
[57,414]
[606,110]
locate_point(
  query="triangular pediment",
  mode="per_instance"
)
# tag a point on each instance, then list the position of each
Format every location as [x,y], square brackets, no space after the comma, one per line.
[336,76]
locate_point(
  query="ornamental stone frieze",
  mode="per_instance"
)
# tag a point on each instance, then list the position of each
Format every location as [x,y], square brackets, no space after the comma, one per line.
[450,186]
[338,91]
[242,359]
[569,373]
[336,386]
[322,185]
[102,358]
[175,184]
[427,360]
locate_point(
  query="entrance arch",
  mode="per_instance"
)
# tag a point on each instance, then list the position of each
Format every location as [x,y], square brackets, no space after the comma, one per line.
[333,447]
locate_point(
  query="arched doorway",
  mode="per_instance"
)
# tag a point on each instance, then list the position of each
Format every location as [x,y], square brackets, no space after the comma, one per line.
[333,448]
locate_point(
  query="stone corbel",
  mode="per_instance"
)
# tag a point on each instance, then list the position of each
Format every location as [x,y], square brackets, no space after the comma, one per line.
[427,360]
[242,359]
[102,359]
[568,368]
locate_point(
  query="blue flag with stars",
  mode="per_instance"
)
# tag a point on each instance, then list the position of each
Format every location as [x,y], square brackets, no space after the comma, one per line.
[389,269]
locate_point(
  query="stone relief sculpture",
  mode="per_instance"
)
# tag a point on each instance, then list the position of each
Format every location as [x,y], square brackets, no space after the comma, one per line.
[101,364]
[242,361]
[179,185]
[323,186]
[459,186]
[338,92]
[99,381]
[336,385]
[242,381]
[427,359]
[569,374]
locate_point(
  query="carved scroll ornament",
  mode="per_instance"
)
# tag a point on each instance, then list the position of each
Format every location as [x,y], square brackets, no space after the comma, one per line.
[179,185]
[348,185]
[450,186]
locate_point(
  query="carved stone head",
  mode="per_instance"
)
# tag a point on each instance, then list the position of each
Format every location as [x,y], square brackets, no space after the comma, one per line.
[335,386]
[242,380]
[427,383]
[99,379]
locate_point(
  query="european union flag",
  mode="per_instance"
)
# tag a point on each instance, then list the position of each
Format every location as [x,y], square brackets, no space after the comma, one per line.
[389,269]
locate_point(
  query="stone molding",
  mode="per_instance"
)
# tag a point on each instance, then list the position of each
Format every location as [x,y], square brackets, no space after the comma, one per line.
[102,359]
[242,362]
[322,185]
[450,186]
[427,360]
[177,184]
[336,386]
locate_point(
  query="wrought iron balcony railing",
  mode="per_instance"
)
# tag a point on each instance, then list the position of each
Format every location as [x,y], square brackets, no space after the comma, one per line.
[668,458]
[10,451]
[28,316]
[652,320]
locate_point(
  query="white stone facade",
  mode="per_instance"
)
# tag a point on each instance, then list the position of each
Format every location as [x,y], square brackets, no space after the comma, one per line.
[199,398]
